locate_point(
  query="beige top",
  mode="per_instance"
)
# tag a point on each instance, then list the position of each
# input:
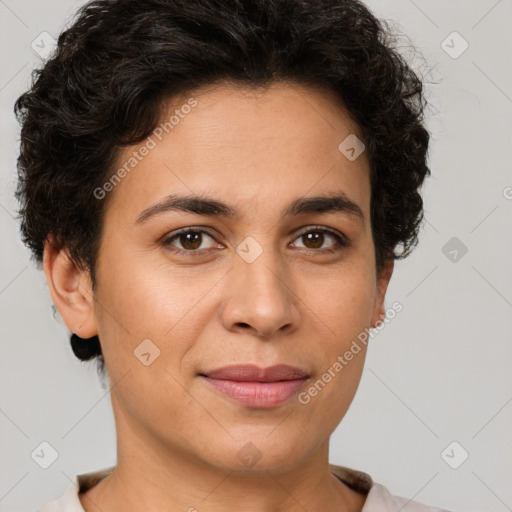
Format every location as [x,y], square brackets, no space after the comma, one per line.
[378,497]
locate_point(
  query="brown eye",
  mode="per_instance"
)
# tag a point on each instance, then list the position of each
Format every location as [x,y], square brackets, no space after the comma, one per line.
[314,238]
[189,240]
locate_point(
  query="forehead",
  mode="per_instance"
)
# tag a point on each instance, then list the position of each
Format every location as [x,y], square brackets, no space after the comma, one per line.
[255,146]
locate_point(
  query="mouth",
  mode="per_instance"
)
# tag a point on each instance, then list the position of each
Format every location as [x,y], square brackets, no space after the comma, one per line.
[257,387]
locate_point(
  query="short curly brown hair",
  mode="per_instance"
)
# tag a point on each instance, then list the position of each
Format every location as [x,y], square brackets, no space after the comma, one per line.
[103,87]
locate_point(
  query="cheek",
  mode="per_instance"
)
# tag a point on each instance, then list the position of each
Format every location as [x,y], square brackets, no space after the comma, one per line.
[139,301]
[344,313]
[139,296]
[344,302]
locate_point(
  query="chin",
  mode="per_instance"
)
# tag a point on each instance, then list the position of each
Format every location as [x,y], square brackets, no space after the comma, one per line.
[258,451]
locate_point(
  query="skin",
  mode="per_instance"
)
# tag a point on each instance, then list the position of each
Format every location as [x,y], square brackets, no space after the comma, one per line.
[177,438]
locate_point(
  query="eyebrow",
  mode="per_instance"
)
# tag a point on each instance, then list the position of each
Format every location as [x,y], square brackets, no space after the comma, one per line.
[335,202]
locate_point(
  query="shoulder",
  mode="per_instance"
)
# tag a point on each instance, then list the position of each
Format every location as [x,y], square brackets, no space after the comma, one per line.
[381,500]
[378,497]
[69,501]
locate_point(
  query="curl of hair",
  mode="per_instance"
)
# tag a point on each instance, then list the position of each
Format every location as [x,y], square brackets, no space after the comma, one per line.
[104,86]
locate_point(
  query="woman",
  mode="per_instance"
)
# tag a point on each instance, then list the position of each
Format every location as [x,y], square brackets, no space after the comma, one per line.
[217,193]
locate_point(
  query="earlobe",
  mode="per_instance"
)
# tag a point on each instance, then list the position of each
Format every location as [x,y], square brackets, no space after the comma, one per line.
[379,312]
[70,289]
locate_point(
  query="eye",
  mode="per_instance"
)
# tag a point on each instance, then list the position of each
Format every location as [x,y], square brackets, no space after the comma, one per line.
[314,237]
[191,241]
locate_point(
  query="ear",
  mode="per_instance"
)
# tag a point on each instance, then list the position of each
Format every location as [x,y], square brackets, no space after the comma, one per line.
[383,278]
[71,290]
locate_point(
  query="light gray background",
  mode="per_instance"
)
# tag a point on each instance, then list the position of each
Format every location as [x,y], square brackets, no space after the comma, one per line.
[439,372]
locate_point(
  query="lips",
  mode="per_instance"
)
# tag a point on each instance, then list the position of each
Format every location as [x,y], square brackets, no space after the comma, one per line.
[253,373]
[257,387]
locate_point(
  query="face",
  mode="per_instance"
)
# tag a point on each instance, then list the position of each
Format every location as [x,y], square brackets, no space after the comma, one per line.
[264,276]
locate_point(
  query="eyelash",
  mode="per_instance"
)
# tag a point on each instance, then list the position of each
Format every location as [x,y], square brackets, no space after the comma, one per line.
[341,241]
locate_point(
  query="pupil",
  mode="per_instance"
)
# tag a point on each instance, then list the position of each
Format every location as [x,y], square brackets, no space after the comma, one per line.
[193,240]
[315,237]
[189,240]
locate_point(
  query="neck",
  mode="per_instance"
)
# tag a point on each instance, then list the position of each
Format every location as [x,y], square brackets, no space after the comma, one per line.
[151,476]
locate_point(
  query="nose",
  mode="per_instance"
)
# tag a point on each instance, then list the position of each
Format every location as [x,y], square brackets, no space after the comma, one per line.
[260,298]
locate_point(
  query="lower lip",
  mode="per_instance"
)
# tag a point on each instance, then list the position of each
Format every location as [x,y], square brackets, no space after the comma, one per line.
[258,394]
